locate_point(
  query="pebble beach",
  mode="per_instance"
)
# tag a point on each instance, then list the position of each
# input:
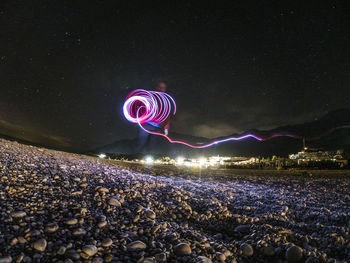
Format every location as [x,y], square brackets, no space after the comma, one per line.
[63,207]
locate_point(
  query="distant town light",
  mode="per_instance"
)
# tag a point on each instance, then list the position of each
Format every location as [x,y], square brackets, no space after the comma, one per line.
[180,160]
[102,155]
[149,160]
[202,161]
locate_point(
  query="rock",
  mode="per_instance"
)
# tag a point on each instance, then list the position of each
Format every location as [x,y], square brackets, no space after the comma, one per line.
[90,250]
[182,249]
[202,259]
[247,250]
[114,202]
[6,259]
[268,251]
[13,242]
[97,260]
[51,228]
[79,232]
[61,250]
[150,214]
[72,221]
[73,254]
[40,245]
[136,245]
[242,229]
[102,224]
[221,257]
[294,254]
[103,190]
[160,257]
[21,240]
[149,260]
[18,214]
[107,242]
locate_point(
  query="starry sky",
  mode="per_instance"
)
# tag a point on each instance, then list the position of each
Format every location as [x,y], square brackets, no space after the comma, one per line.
[67,66]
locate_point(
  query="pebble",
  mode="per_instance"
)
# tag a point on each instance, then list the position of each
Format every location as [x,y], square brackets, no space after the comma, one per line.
[72,221]
[107,242]
[149,260]
[90,210]
[150,214]
[136,245]
[18,214]
[114,202]
[182,249]
[160,257]
[51,228]
[202,259]
[90,250]
[79,232]
[6,259]
[294,254]
[247,250]
[242,229]
[40,244]
[268,251]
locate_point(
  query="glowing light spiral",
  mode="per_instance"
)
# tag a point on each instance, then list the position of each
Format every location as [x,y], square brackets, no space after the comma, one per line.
[142,106]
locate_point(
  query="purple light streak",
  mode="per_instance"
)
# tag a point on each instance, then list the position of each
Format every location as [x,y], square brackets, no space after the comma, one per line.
[142,106]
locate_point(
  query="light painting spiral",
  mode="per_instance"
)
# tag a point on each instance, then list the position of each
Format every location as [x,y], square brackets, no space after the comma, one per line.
[142,106]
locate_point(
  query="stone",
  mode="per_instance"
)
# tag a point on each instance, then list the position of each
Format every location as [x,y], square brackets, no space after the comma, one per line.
[61,250]
[221,257]
[150,214]
[107,242]
[160,257]
[51,228]
[97,260]
[6,259]
[242,229]
[247,250]
[79,232]
[18,214]
[149,260]
[114,202]
[72,221]
[182,249]
[90,250]
[40,244]
[136,245]
[268,251]
[294,254]
[203,259]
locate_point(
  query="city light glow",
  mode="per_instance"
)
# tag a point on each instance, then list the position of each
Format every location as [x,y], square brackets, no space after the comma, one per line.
[102,155]
[180,160]
[149,160]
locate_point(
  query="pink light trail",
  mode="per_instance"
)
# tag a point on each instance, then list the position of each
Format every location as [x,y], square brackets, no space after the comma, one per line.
[142,106]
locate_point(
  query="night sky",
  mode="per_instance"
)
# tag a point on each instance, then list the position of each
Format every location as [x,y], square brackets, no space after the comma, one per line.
[67,66]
